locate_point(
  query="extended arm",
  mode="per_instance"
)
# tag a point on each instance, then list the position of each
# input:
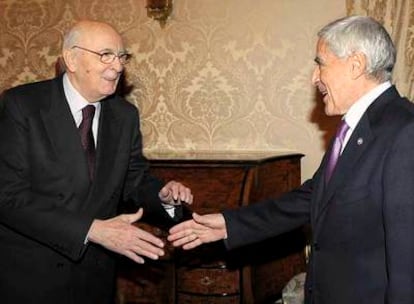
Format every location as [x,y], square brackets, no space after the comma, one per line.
[248,224]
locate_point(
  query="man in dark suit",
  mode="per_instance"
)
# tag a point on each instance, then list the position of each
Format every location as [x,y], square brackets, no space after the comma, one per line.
[59,227]
[361,213]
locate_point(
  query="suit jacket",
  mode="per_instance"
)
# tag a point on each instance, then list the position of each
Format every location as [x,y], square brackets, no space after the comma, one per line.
[362,221]
[47,203]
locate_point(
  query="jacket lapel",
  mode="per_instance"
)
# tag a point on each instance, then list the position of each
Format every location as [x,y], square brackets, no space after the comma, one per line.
[109,135]
[357,144]
[63,134]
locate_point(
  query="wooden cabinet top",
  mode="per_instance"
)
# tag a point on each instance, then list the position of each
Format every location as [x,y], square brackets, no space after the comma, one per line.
[219,157]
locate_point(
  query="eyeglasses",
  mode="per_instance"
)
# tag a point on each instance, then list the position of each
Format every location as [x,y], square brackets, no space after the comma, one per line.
[107,56]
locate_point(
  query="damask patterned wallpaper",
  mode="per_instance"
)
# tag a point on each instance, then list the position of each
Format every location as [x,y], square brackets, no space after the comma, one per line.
[222,75]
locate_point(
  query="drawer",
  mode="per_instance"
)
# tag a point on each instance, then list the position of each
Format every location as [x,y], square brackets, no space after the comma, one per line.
[193,299]
[211,281]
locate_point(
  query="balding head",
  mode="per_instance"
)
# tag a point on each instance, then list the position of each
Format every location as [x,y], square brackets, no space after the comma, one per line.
[84,29]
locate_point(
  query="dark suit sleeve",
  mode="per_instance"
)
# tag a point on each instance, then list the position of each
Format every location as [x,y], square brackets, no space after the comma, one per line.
[268,218]
[141,188]
[398,213]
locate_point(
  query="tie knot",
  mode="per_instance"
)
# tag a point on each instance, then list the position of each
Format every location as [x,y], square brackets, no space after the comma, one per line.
[343,128]
[88,112]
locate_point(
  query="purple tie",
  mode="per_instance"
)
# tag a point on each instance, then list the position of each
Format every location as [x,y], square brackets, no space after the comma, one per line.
[336,149]
[88,144]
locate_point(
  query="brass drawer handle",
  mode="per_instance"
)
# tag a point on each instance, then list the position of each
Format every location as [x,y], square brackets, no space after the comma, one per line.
[206,281]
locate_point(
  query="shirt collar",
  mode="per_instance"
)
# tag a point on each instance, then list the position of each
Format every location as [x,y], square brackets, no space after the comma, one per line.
[76,101]
[358,109]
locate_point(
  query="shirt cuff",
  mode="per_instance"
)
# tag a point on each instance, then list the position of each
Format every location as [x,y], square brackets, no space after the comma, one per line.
[169,209]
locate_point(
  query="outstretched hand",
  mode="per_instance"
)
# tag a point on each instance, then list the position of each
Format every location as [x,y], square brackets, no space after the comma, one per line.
[200,229]
[118,234]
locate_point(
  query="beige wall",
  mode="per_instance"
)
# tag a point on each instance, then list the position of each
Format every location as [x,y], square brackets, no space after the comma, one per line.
[221,75]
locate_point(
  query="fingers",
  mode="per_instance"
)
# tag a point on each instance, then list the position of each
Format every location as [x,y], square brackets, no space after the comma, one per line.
[136,254]
[142,245]
[185,239]
[119,235]
[143,250]
[198,218]
[133,256]
[185,235]
[201,229]
[181,227]
[188,244]
[142,235]
[132,218]
[175,193]
[165,194]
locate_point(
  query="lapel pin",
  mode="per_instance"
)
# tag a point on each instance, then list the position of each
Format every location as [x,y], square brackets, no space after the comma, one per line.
[360,141]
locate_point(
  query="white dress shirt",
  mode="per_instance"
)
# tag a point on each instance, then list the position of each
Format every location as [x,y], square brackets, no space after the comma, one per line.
[77,103]
[358,109]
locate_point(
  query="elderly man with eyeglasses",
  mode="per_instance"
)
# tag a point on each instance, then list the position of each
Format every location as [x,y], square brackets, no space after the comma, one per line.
[61,187]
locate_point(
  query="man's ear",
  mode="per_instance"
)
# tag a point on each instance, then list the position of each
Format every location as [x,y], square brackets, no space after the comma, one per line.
[70,60]
[358,63]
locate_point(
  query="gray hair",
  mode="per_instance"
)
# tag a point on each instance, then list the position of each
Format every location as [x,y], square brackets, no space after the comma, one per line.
[365,35]
[71,38]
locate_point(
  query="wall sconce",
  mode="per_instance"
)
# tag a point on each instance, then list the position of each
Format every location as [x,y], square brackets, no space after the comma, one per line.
[159,10]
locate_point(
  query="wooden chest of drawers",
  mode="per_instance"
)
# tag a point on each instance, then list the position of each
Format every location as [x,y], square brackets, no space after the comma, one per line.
[209,274]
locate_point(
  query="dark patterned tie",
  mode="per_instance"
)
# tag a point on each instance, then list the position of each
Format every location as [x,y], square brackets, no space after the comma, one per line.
[336,149]
[88,143]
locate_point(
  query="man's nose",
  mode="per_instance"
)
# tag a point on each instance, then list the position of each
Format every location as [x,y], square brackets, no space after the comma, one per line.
[315,76]
[118,66]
